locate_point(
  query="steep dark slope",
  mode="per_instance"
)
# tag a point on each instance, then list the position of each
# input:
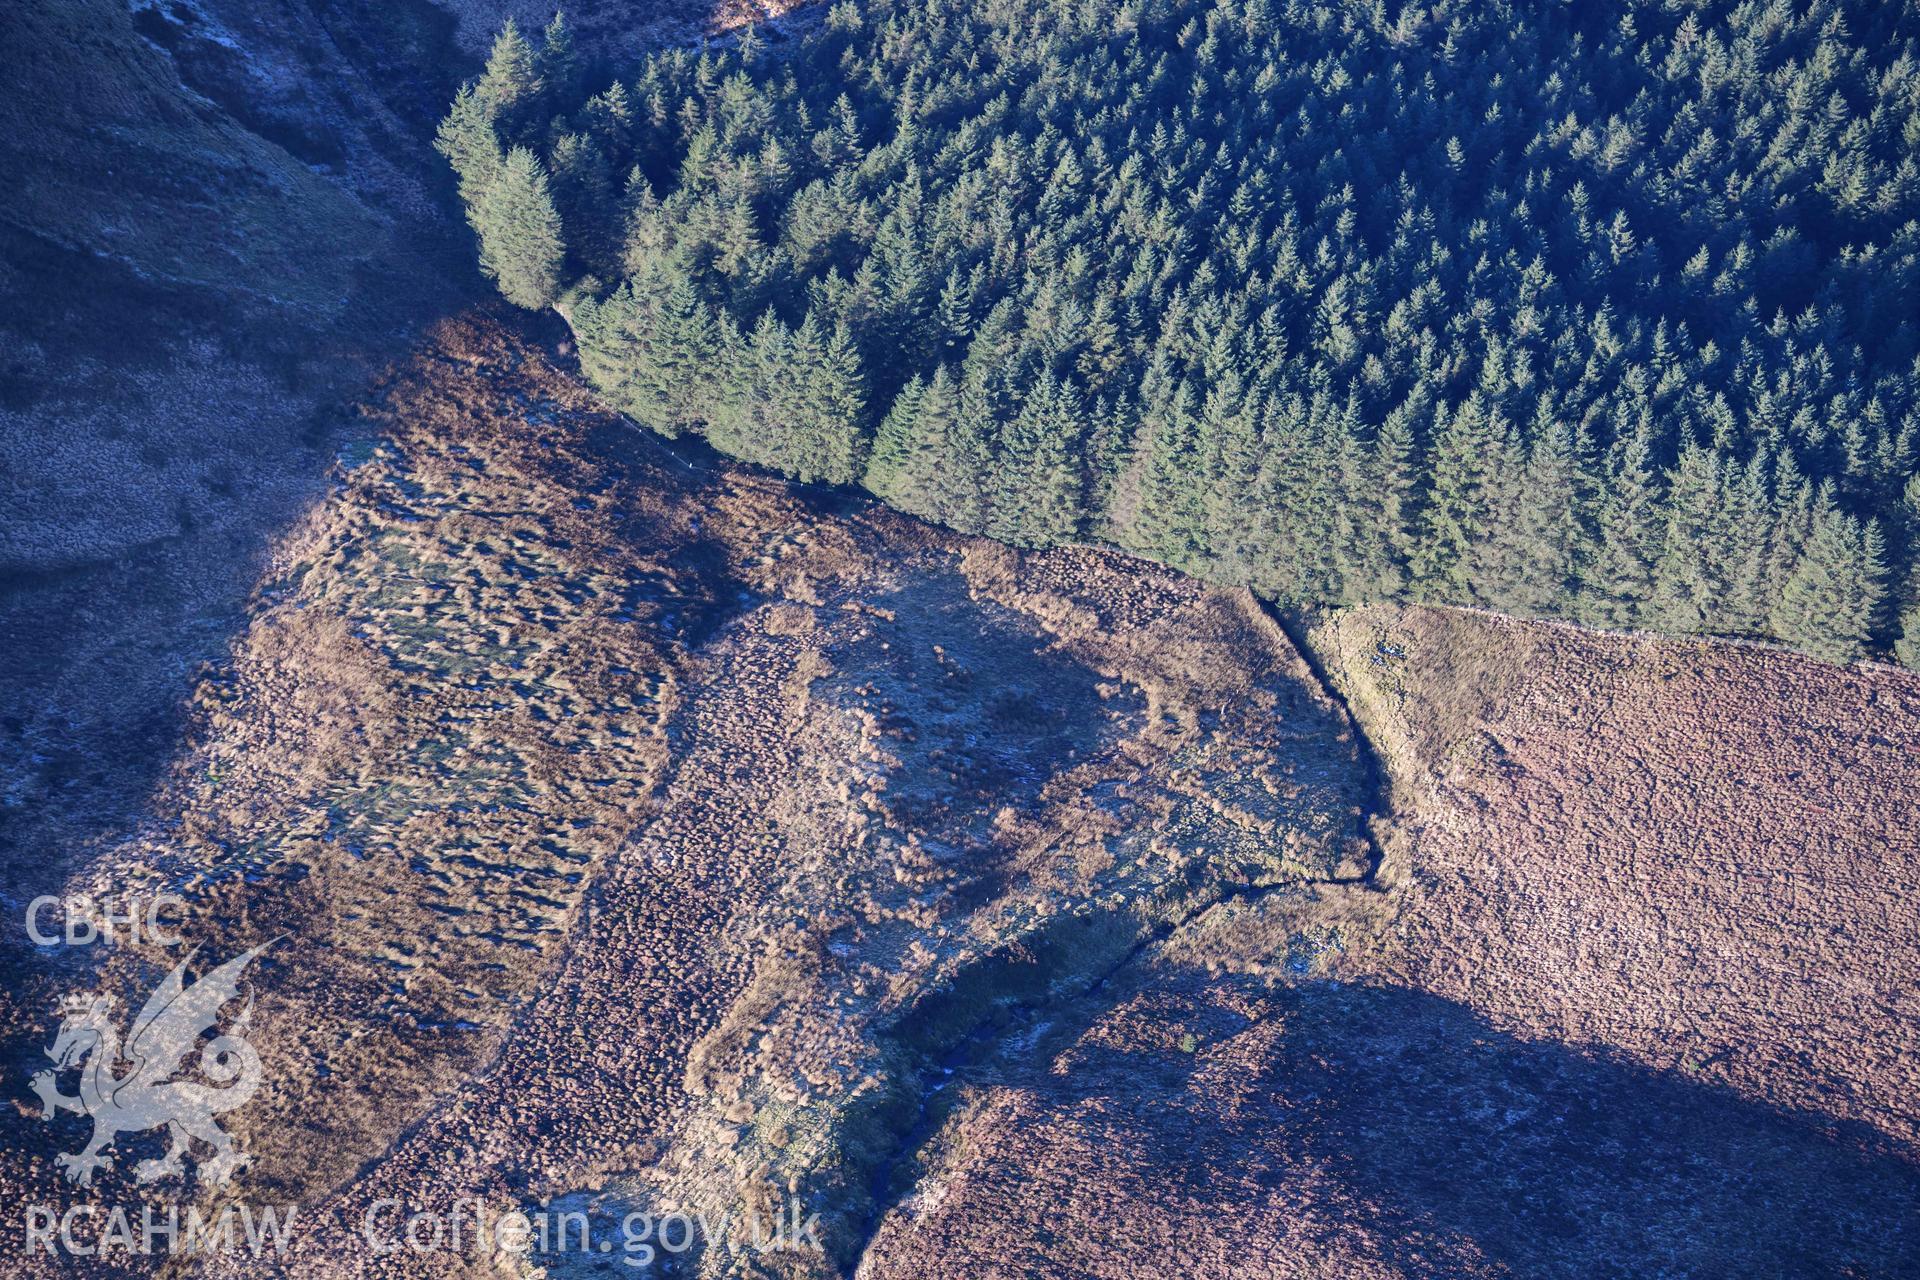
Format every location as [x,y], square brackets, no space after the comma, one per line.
[219,219]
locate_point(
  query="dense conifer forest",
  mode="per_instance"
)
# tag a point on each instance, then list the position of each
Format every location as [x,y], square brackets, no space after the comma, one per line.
[1602,312]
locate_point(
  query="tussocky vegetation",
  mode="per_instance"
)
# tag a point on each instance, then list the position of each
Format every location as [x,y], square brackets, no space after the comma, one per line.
[640,833]
[1596,313]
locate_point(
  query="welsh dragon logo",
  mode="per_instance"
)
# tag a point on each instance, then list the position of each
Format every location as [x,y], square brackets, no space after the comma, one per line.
[150,1093]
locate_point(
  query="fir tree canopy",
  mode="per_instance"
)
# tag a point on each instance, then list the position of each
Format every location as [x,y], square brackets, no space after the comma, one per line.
[1608,312]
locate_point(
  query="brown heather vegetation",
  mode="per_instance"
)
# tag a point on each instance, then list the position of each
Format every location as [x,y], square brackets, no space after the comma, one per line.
[1643,1003]
[1701,856]
[649,835]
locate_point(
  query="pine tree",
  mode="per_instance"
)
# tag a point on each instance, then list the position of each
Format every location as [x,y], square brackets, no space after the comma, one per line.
[1456,521]
[1227,450]
[955,312]
[752,370]
[1364,559]
[1548,539]
[1792,525]
[789,400]
[1689,585]
[511,82]
[1745,526]
[1037,498]
[837,408]
[678,359]
[557,64]
[1907,647]
[893,470]
[1298,484]
[1279,571]
[582,183]
[520,246]
[1904,589]
[1013,235]
[466,138]
[1396,472]
[1504,557]
[1830,604]
[1620,580]
[954,453]
[1163,516]
[611,335]
[929,457]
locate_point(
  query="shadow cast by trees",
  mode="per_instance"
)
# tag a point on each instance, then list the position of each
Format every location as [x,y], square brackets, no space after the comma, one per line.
[1470,1143]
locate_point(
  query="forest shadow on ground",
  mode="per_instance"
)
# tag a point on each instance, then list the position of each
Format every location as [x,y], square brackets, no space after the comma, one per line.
[1462,1150]
[1553,1161]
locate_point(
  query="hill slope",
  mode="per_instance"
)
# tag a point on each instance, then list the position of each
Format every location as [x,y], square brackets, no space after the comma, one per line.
[650,836]
[1643,1003]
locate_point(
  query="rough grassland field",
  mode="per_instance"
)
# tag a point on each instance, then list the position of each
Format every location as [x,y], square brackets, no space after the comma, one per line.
[1701,856]
[1645,1004]
[640,835]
